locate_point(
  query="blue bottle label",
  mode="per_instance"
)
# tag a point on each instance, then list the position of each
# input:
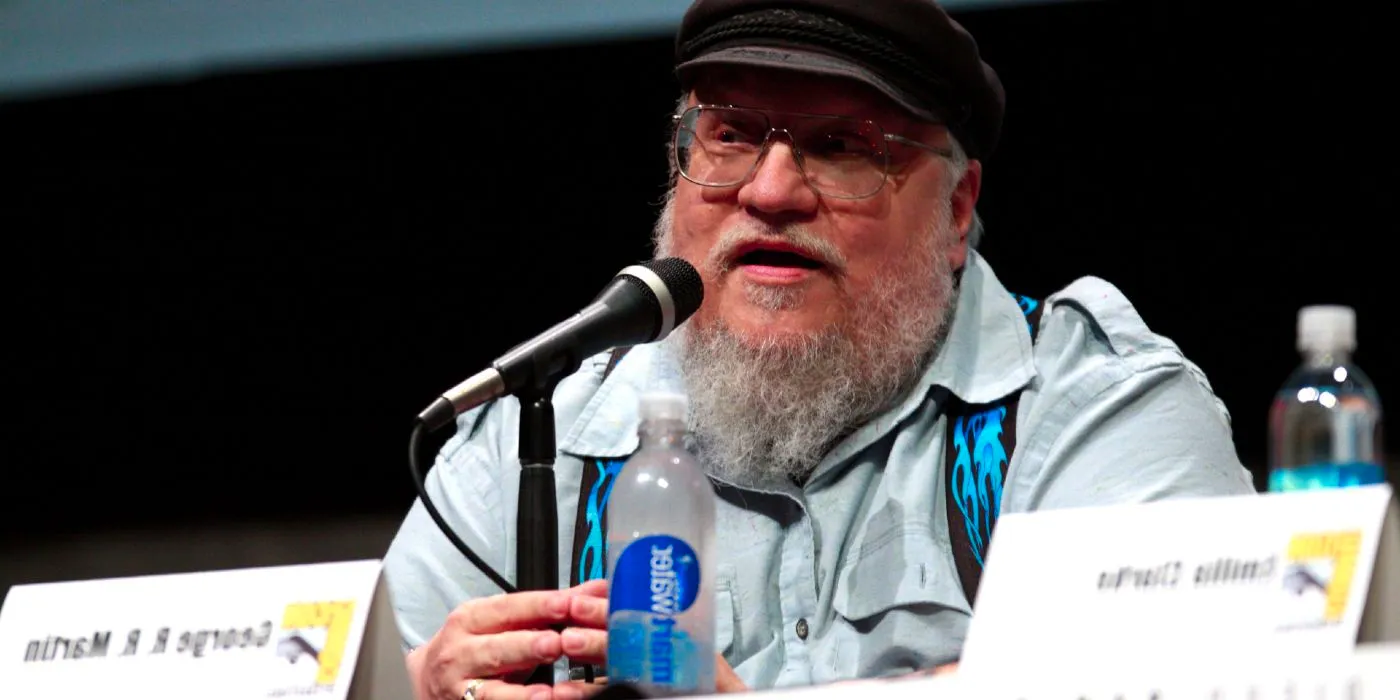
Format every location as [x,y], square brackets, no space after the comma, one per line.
[656,579]
[1325,476]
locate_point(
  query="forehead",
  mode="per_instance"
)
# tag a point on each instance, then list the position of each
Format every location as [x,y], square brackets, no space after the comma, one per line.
[792,91]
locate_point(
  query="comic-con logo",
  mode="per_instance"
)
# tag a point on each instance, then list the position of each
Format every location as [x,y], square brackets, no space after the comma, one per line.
[1317,575]
[312,640]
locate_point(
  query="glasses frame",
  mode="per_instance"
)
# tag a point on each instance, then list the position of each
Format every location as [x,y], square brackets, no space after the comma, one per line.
[678,123]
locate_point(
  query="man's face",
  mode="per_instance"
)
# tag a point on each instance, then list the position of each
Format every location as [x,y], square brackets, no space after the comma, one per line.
[819,312]
[843,248]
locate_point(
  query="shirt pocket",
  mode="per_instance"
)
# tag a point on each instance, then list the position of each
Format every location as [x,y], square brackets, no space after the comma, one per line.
[726,611]
[904,568]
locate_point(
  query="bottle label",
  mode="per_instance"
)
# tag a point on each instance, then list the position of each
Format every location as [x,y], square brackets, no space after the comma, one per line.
[656,579]
[1325,476]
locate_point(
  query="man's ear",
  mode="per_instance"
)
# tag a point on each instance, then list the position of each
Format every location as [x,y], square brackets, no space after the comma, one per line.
[963,205]
[964,199]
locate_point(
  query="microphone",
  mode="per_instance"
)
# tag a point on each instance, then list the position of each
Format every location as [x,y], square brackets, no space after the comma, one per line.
[642,304]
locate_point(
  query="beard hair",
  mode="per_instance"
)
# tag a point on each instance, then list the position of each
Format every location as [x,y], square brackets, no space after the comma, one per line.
[768,409]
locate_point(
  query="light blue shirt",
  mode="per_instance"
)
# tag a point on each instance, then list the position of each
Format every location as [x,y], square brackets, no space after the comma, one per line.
[858,557]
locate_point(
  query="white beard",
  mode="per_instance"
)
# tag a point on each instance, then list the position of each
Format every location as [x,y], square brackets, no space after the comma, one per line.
[769,411]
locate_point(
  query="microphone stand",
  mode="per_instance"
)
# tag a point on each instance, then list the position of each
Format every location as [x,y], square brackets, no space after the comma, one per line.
[537,514]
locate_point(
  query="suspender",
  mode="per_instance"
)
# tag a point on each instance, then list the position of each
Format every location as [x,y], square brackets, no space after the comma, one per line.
[591,522]
[981,439]
[977,453]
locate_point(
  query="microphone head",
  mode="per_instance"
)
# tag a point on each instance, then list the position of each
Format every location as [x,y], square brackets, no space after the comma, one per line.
[683,281]
[672,285]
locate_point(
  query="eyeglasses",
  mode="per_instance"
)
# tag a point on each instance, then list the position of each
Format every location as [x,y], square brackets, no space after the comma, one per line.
[842,157]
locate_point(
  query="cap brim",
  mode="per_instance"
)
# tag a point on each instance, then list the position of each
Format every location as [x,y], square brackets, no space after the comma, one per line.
[806,62]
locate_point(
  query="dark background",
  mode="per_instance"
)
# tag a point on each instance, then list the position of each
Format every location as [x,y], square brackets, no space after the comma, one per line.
[228,297]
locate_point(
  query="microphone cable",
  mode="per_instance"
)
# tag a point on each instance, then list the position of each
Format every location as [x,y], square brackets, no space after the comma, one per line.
[415,445]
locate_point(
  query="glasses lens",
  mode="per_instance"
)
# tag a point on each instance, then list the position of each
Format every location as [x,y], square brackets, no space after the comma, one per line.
[719,145]
[842,157]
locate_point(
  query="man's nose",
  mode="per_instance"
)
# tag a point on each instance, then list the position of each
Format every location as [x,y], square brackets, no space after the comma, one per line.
[777,184]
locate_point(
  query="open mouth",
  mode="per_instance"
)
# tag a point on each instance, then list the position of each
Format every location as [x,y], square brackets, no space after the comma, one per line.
[775,256]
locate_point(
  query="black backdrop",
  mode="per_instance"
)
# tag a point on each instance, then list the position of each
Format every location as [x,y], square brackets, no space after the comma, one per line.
[228,296]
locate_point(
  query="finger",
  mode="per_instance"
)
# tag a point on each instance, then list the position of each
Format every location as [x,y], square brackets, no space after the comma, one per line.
[511,611]
[588,611]
[500,690]
[504,652]
[726,680]
[578,690]
[584,645]
[597,588]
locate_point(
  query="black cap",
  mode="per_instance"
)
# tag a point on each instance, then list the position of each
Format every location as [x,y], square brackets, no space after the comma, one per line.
[909,50]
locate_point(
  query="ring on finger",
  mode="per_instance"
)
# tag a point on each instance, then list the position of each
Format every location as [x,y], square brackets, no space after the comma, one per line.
[472,686]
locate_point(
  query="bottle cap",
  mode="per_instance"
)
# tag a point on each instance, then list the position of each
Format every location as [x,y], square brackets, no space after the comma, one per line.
[1326,328]
[660,405]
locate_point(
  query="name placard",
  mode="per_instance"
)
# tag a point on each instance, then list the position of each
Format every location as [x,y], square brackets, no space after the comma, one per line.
[321,630]
[1191,581]
[1372,671]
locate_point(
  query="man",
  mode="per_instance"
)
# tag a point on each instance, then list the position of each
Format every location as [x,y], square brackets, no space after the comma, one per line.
[828,158]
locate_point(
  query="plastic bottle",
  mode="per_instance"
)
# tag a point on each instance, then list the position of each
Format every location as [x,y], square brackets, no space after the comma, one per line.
[660,553]
[1325,424]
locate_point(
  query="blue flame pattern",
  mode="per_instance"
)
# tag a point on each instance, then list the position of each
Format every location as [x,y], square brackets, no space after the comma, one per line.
[977,469]
[1028,307]
[590,561]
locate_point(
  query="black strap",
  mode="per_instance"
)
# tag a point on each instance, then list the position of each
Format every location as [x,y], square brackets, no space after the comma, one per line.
[587,561]
[614,357]
[980,441]
[583,560]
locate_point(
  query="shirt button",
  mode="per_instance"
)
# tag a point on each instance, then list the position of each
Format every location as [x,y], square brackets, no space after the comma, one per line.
[802,628]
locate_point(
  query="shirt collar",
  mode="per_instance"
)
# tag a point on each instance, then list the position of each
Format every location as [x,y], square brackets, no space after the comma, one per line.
[607,427]
[986,355]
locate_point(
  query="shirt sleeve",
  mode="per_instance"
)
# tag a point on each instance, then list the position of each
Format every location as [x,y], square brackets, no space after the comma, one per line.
[1116,414]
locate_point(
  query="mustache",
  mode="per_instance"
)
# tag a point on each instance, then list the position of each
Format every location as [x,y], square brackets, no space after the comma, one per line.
[724,253]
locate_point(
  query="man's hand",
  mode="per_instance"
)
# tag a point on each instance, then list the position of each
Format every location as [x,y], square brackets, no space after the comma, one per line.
[501,639]
[726,681]
[945,669]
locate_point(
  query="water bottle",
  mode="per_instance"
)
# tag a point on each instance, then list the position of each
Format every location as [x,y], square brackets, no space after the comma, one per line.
[1325,424]
[660,552]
